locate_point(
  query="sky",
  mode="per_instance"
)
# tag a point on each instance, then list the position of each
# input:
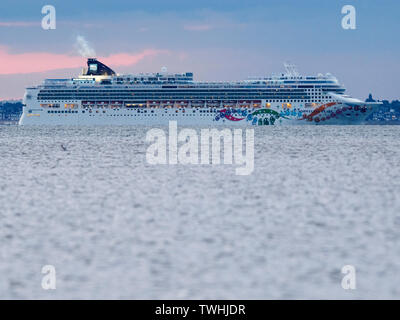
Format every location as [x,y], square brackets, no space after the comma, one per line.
[216,40]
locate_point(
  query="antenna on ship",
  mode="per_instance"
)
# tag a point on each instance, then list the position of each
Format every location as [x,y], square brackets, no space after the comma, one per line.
[291,70]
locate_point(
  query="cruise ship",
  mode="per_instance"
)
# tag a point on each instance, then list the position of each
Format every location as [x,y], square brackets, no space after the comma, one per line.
[99,96]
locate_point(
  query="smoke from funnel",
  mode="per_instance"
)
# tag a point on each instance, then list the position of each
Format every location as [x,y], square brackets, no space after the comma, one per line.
[84,48]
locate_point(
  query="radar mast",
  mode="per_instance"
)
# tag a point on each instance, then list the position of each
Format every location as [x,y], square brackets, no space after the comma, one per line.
[291,70]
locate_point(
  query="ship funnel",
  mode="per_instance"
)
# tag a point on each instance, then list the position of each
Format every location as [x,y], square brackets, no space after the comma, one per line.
[96,68]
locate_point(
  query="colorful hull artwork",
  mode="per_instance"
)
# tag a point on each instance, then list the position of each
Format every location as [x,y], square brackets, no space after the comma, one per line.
[258,117]
[329,113]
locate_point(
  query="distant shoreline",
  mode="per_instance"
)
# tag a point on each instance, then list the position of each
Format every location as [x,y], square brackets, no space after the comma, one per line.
[389,113]
[8,122]
[367,123]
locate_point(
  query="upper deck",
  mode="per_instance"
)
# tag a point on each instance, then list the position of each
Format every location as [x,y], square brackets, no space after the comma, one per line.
[98,74]
[102,83]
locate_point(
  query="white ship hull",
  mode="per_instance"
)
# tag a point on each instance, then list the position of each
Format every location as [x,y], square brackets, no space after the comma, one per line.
[336,114]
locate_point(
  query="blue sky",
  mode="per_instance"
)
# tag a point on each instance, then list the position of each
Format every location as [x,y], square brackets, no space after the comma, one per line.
[217,40]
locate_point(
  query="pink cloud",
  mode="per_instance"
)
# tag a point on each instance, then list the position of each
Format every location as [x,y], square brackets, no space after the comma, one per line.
[5,98]
[31,62]
[126,59]
[19,24]
[10,24]
[199,27]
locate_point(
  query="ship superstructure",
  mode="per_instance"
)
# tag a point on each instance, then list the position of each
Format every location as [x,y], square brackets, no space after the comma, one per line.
[101,97]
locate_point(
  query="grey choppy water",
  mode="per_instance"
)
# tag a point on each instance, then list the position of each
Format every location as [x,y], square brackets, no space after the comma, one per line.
[115,227]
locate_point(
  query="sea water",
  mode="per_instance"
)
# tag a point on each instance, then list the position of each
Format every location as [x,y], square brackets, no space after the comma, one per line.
[84,200]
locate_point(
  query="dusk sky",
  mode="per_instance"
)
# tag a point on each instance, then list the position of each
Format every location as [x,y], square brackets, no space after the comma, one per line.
[217,40]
